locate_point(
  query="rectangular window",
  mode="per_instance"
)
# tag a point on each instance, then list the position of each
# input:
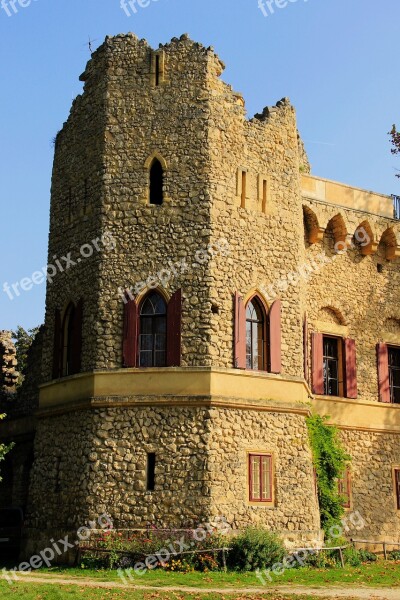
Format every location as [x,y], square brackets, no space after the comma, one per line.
[394,374]
[397,486]
[344,488]
[151,472]
[332,367]
[260,477]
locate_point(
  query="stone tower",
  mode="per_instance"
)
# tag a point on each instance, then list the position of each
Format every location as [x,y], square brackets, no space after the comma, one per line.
[175,360]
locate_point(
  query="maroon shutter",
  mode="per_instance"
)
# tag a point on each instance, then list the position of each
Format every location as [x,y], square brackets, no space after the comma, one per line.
[76,342]
[130,334]
[305,347]
[383,372]
[174,330]
[57,345]
[240,333]
[275,337]
[317,347]
[350,368]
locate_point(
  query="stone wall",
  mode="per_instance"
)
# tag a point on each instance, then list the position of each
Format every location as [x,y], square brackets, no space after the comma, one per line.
[372,484]
[93,462]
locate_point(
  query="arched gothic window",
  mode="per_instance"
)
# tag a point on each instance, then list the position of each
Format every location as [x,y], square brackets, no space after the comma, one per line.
[153,331]
[156,182]
[256,336]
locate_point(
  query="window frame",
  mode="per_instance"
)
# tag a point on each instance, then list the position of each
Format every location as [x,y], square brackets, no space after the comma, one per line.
[270,501]
[152,318]
[340,365]
[265,337]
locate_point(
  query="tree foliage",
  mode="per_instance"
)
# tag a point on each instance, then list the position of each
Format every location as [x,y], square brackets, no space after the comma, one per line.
[23,341]
[395,138]
[3,448]
[330,461]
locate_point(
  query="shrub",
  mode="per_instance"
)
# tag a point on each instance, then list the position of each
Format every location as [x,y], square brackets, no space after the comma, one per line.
[352,557]
[367,556]
[394,555]
[255,549]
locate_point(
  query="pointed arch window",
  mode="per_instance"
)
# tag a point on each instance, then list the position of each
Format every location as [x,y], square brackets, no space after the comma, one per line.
[256,336]
[153,331]
[156,182]
[68,341]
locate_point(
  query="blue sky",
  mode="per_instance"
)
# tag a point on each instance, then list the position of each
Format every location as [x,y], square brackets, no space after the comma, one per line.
[336,60]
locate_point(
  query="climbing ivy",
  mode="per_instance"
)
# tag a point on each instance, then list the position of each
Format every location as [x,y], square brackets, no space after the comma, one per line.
[330,460]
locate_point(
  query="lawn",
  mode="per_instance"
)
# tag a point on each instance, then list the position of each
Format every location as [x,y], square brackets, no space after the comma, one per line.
[379,574]
[27,591]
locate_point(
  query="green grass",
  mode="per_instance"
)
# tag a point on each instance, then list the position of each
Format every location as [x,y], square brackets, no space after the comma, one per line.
[379,574]
[27,591]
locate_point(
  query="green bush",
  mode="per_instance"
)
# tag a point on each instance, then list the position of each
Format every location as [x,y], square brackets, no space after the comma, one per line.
[255,549]
[352,557]
[394,555]
[367,556]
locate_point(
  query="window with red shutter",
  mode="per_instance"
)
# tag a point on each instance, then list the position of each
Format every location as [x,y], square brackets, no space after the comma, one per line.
[57,345]
[174,330]
[260,478]
[130,334]
[275,337]
[383,372]
[317,343]
[350,368]
[239,333]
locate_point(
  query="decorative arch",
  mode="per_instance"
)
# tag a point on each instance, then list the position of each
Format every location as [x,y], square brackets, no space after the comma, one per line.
[159,290]
[314,233]
[331,314]
[338,228]
[71,340]
[365,239]
[389,240]
[257,293]
[156,156]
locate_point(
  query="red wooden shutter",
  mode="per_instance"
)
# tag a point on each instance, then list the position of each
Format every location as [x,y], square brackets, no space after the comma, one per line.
[305,348]
[174,330]
[383,372]
[76,342]
[275,337]
[317,346]
[130,334]
[240,333]
[57,345]
[350,368]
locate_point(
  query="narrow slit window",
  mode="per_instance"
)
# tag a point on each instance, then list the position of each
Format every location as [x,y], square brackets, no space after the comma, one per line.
[151,472]
[157,69]
[156,183]
[264,196]
[244,184]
